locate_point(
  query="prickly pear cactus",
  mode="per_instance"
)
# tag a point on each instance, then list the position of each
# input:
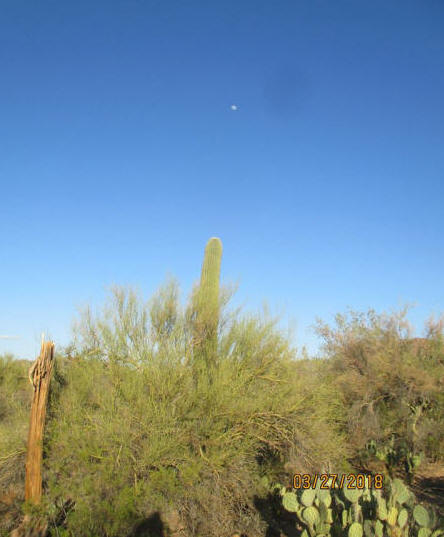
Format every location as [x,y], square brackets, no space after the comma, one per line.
[381,510]
[421,516]
[290,502]
[388,512]
[310,515]
[312,508]
[400,492]
[352,495]
[402,518]
[355,530]
[308,497]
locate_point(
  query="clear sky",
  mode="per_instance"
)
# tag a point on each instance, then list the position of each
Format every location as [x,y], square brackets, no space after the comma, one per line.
[120,155]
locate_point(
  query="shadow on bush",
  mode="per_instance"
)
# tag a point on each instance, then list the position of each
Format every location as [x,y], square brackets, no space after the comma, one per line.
[279,522]
[149,527]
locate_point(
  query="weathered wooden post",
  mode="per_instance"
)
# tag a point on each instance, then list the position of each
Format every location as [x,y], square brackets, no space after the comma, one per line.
[40,378]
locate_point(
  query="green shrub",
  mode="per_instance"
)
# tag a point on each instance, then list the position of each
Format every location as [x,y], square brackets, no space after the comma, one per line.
[145,421]
[131,433]
[15,397]
[391,385]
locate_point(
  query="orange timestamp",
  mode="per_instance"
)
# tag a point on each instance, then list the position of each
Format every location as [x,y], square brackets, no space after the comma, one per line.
[330,481]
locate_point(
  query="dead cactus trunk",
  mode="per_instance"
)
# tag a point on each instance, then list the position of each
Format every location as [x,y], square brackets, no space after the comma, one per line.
[31,528]
[40,377]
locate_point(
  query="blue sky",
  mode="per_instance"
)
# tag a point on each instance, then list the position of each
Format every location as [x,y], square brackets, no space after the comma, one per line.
[120,155]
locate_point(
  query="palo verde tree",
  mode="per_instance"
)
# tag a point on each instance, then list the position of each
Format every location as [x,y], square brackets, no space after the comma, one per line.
[160,410]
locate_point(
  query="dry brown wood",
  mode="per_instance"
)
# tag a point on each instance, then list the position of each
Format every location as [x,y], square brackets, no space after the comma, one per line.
[31,527]
[40,376]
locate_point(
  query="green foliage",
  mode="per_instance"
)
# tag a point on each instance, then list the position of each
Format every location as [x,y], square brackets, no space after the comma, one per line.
[394,453]
[15,396]
[391,385]
[14,404]
[130,433]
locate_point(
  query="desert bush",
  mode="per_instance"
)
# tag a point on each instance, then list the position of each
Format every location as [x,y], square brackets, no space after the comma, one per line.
[132,434]
[15,397]
[138,430]
[390,383]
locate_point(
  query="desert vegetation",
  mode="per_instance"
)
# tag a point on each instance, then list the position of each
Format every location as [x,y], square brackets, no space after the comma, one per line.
[171,419]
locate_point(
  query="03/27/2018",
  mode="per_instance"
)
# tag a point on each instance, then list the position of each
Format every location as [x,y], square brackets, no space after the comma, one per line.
[330,481]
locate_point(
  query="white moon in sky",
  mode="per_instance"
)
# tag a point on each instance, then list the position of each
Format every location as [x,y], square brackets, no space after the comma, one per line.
[233,107]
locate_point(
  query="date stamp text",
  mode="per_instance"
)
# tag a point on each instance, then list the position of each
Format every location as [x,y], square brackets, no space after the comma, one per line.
[330,481]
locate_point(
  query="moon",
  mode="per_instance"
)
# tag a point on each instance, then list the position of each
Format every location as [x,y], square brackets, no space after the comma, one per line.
[234,107]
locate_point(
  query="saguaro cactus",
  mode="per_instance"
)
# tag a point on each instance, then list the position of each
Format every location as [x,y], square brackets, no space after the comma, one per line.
[207,304]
